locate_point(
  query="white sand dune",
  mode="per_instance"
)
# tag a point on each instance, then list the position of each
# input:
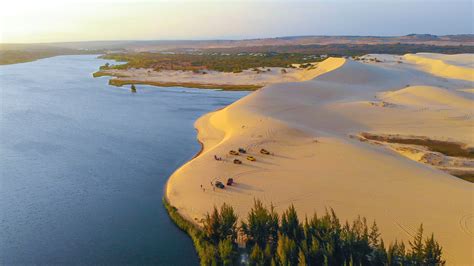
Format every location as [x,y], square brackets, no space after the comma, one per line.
[428,96]
[448,66]
[316,164]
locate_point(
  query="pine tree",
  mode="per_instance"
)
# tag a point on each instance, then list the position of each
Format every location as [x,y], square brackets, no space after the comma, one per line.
[432,252]
[226,251]
[396,254]
[417,247]
[268,252]
[290,225]
[261,226]
[209,256]
[374,235]
[287,251]
[257,257]
[302,259]
[228,223]
[212,226]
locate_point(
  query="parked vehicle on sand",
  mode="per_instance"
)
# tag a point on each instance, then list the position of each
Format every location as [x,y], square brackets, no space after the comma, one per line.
[220,185]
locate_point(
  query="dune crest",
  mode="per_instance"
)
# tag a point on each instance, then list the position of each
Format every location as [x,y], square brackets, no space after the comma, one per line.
[428,96]
[316,162]
[448,66]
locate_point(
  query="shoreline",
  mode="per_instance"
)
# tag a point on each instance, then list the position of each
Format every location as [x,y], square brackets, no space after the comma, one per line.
[246,80]
[224,87]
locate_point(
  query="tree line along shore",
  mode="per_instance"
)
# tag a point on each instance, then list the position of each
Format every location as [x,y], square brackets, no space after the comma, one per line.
[265,238]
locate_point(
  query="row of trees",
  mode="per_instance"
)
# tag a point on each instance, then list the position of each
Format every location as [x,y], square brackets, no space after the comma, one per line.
[285,240]
[199,62]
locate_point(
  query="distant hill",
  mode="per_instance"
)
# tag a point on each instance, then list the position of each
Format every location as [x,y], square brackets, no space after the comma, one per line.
[342,45]
[149,45]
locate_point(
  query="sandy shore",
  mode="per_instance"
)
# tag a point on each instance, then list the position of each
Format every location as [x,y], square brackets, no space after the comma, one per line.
[245,80]
[317,160]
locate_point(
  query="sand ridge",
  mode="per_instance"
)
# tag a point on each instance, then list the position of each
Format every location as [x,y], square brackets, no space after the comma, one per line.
[315,163]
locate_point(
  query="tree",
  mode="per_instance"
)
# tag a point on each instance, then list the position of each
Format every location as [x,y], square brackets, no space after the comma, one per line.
[228,223]
[396,254]
[226,251]
[379,255]
[268,252]
[417,248]
[287,251]
[212,226]
[256,256]
[290,225]
[209,256]
[432,252]
[374,235]
[261,226]
[302,259]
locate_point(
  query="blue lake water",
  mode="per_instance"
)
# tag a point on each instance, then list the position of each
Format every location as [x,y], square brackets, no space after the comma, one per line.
[83,165]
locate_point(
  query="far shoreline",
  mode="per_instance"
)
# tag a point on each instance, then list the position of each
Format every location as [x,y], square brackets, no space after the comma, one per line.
[224,87]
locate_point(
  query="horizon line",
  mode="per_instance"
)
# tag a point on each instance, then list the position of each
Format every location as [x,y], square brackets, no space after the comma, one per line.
[235,39]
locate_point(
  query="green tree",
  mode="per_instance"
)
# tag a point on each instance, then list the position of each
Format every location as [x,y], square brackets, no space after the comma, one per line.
[287,251]
[290,225]
[396,254]
[261,226]
[433,252]
[226,251]
[212,226]
[417,248]
[209,256]
[257,257]
[302,259]
[268,252]
[374,235]
[228,223]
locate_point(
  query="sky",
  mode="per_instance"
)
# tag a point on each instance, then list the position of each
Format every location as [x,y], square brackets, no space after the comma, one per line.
[31,21]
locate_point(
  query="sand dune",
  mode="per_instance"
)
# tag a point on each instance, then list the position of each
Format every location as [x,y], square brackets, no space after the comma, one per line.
[316,163]
[448,66]
[428,96]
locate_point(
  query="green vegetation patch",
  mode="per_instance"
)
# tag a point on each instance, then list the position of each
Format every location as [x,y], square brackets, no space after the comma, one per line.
[222,62]
[270,239]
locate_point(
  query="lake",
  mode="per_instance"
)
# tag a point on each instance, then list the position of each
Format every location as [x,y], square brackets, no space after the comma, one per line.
[83,164]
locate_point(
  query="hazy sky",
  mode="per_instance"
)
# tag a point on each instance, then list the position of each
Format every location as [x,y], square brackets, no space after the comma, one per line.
[72,20]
